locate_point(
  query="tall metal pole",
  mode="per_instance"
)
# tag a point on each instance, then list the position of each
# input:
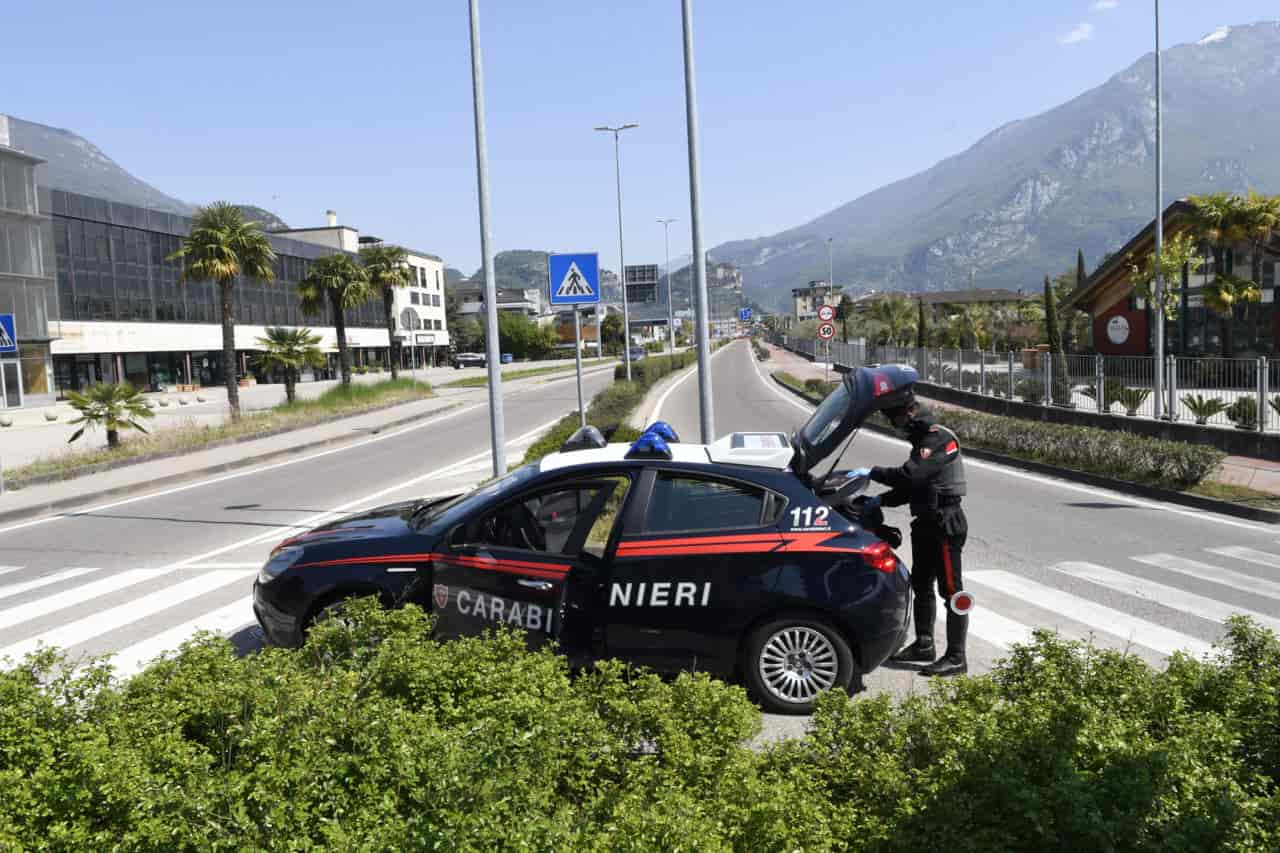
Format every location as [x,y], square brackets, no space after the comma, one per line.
[622,261]
[671,311]
[497,429]
[706,416]
[1158,367]
[577,361]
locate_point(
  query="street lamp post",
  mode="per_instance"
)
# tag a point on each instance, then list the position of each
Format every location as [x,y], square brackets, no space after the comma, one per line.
[1158,372]
[622,261]
[497,429]
[671,311]
[706,415]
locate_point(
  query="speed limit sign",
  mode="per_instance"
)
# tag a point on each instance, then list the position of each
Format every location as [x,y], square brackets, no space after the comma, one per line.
[826,313]
[826,331]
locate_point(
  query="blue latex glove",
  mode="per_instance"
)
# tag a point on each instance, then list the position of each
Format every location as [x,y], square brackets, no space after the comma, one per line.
[860,472]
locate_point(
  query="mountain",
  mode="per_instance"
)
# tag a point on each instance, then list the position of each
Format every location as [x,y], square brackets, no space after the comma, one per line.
[266,220]
[1022,200]
[77,165]
[521,269]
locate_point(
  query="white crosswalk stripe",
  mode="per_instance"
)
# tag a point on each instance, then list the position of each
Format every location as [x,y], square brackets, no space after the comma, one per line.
[10,590]
[1250,555]
[4,570]
[74,633]
[1215,574]
[20,613]
[224,620]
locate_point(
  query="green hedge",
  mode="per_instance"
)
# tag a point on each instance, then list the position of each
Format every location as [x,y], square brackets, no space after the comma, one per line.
[1111,453]
[375,737]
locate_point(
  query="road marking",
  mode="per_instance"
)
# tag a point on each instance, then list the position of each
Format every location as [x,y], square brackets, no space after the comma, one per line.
[1215,574]
[1090,613]
[27,586]
[317,518]
[4,570]
[1249,555]
[656,414]
[73,633]
[44,606]
[996,629]
[1167,596]
[1201,515]
[223,566]
[225,620]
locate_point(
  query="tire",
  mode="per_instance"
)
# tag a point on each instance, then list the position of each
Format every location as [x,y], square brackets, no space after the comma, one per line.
[791,660]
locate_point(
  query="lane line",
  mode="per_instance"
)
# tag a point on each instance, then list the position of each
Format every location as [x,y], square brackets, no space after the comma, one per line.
[1200,515]
[4,570]
[44,606]
[1249,555]
[26,586]
[1167,596]
[73,633]
[224,621]
[317,518]
[1090,613]
[342,448]
[1214,574]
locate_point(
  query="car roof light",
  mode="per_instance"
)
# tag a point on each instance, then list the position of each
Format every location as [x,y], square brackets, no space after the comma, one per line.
[649,446]
[585,438]
[662,429]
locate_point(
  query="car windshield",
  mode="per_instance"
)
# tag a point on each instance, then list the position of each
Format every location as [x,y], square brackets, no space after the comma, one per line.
[448,512]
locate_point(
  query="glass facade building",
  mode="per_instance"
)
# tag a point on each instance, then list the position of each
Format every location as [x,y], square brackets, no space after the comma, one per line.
[26,282]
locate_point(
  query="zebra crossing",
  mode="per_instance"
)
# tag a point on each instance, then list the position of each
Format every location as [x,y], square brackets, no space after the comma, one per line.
[1152,604]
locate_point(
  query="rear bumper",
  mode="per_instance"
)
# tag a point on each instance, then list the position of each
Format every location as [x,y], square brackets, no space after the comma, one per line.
[281,628]
[880,622]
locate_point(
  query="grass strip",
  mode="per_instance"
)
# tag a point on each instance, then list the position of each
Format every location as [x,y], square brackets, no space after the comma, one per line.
[483,381]
[339,401]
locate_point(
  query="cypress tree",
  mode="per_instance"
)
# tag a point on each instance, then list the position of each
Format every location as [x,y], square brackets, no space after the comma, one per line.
[1080,273]
[922,335]
[1061,391]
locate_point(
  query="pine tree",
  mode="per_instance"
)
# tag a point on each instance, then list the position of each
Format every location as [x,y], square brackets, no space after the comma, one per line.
[1061,391]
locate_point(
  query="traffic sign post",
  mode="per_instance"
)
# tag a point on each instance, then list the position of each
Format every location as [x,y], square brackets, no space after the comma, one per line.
[575,280]
[8,334]
[826,331]
[826,313]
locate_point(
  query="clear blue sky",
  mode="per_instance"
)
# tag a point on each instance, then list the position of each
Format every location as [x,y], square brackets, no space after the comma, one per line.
[366,108]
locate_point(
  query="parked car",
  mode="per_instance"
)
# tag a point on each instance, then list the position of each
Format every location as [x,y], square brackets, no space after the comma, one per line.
[638,353]
[468,359]
[507,358]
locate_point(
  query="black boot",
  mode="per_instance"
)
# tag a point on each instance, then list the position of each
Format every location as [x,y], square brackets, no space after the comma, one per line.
[922,650]
[953,662]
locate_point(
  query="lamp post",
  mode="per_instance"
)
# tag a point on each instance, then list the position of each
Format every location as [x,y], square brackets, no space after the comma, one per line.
[1158,371]
[497,429]
[622,262]
[706,416]
[671,311]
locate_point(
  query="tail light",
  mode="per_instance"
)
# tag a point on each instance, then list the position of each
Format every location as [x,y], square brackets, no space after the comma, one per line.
[881,557]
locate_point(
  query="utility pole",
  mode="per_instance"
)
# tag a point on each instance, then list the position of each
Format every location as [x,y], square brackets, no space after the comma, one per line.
[622,261]
[671,311]
[706,415]
[497,429]
[1158,371]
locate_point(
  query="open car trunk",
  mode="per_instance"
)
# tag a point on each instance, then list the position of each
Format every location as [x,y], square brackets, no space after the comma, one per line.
[861,393]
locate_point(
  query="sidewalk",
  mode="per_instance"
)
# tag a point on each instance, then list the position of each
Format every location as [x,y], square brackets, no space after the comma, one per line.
[33,436]
[1260,474]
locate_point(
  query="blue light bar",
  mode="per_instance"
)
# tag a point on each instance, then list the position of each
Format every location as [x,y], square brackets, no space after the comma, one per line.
[649,446]
[663,430]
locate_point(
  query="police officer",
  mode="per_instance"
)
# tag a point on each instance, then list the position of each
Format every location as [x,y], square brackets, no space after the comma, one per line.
[932,481]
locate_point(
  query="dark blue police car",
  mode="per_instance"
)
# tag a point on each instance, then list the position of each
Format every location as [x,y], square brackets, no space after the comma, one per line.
[735,557]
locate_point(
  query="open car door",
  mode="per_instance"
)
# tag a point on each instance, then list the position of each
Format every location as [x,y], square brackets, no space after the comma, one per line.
[861,393]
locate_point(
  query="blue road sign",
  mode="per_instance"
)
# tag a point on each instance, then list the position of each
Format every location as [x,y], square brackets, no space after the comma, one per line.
[575,279]
[8,334]
[744,315]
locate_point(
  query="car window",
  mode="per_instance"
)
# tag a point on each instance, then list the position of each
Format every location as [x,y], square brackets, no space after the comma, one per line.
[681,503]
[543,523]
[598,536]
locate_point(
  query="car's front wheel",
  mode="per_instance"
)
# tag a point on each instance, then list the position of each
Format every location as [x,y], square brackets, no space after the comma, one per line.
[792,660]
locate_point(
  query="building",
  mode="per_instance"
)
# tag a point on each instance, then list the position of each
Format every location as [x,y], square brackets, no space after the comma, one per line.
[527,301]
[27,283]
[805,301]
[1122,322]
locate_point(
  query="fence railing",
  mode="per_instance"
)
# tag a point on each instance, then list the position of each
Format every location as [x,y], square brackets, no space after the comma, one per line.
[1243,393]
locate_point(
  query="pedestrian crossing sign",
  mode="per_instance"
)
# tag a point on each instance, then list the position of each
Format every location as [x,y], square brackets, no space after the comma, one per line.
[8,334]
[574,279]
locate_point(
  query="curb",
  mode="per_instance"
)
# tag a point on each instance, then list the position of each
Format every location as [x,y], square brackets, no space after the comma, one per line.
[1137,489]
[46,507]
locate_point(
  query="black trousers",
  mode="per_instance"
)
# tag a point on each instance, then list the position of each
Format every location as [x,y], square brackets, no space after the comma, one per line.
[937,543]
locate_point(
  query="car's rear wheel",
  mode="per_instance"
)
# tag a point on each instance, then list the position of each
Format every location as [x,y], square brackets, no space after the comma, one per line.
[792,660]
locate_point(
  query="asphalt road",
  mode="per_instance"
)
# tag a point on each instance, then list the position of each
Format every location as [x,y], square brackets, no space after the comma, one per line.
[1043,553]
[137,576]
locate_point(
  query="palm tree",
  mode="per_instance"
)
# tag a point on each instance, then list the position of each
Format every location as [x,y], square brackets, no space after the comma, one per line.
[969,324]
[388,270]
[1262,222]
[115,407]
[290,350]
[1222,296]
[222,247]
[340,284]
[896,316]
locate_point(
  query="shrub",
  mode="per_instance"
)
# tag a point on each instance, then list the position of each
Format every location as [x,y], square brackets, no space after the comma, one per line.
[761,351]
[1030,390]
[1244,413]
[1112,388]
[1204,408]
[1133,398]
[655,347]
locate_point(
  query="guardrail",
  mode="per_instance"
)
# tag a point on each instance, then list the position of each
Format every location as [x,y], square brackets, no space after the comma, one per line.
[1222,392]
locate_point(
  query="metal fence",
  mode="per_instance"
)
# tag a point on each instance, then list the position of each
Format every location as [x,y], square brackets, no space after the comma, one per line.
[1223,392]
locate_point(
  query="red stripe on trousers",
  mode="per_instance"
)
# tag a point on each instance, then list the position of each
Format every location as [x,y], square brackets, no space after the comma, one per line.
[946,564]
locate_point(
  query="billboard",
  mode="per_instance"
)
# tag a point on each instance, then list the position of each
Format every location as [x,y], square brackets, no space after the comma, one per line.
[642,283]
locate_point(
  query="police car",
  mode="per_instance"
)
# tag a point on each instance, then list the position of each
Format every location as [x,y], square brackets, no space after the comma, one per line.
[735,558]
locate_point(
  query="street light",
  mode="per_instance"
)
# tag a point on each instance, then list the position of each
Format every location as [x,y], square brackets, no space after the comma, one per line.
[1158,373]
[497,429]
[671,311]
[622,262]
[706,416]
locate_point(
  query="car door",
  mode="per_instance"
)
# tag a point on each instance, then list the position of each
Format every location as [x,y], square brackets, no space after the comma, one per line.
[514,564]
[694,563]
